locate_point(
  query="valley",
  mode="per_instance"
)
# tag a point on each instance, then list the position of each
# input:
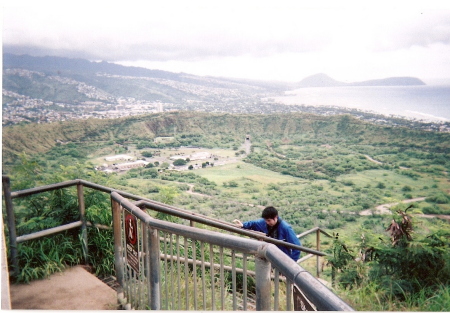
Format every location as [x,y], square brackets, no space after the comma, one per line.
[319,171]
[303,163]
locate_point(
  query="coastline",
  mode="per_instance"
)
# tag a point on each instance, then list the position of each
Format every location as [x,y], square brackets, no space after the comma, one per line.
[416,103]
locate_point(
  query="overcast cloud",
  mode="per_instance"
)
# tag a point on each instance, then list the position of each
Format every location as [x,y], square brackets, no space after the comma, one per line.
[276,40]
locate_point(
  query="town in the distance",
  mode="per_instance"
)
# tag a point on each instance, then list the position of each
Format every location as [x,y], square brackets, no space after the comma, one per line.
[34,91]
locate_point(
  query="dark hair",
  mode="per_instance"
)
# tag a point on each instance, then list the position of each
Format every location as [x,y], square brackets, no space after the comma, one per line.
[269,212]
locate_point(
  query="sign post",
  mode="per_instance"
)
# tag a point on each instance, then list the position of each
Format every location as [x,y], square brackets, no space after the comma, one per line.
[131,235]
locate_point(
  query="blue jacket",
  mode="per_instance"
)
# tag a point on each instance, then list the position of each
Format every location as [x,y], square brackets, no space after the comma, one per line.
[285,233]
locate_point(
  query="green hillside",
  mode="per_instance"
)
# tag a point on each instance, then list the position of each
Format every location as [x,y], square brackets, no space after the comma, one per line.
[333,163]
[329,172]
[213,129]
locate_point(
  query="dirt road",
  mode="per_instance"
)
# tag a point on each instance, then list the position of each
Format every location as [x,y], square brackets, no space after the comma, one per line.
[384,208]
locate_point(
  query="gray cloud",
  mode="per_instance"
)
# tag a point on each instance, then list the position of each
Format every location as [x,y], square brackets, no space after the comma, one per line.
[312,37]
[186,49]
[165,32]
[422,30]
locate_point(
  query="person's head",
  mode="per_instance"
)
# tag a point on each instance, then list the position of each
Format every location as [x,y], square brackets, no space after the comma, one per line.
[270,215]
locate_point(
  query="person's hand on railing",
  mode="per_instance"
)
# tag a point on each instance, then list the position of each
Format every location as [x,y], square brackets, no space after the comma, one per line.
[238,223]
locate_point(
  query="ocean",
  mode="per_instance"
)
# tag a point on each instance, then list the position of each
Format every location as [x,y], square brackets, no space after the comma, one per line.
[427,103]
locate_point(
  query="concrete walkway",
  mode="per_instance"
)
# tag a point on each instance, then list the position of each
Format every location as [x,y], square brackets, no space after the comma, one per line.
[73,289]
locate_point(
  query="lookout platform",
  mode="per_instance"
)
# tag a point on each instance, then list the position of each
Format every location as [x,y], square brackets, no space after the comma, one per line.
[73,289]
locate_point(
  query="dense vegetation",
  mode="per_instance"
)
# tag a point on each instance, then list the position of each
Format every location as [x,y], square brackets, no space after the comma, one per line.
[320,171]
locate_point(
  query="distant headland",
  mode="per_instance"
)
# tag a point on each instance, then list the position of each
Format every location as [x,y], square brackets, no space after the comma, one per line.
[323,80]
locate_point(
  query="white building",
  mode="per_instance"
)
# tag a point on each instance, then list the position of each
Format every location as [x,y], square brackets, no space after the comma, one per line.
[129,165]
[200,156]
[196,156]
[119,157]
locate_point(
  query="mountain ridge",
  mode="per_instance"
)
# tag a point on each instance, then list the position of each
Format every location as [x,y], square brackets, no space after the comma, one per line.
[53,64]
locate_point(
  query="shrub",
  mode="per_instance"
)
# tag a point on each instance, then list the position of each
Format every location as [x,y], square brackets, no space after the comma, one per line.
[432,210]
[147,154]
[406,189]
[439,198]
[398,270]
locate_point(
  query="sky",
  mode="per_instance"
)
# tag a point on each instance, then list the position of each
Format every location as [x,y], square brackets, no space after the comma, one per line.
[268,40]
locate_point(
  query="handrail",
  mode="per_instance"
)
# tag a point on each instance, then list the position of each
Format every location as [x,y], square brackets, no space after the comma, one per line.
[262,247]
[35,190]
[142,201]
[313,230]
[47,232]
[155,206]
[323,298]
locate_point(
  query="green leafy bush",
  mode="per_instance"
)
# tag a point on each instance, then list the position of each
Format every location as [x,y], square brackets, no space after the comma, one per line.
[401,269]
[440,198]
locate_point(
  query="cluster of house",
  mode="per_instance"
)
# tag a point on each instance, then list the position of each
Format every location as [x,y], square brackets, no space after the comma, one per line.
[129,163]
[192,157]
[121,166]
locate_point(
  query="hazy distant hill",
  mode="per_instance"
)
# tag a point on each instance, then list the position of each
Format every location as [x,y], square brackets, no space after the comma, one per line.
[80,67]
[71,82]
[323,80]
[391,81]
[59,65]
[319,80]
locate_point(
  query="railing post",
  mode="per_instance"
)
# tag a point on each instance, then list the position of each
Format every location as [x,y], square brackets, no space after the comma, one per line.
[82,208]
[154,277]
[11,220]
[118,249]
[318,249]
[263,292]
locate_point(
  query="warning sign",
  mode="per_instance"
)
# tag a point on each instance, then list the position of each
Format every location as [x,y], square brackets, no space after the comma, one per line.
[131,235]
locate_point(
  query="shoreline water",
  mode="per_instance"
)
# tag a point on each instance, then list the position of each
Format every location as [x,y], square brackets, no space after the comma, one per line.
[420,103]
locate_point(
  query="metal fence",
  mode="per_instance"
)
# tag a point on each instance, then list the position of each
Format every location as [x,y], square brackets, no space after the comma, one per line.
[162,265]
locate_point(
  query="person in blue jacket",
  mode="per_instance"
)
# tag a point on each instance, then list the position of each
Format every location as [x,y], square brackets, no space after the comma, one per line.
[274,227]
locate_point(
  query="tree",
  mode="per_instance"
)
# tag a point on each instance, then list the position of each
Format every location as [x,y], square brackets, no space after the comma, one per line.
[179,162]
[167,195]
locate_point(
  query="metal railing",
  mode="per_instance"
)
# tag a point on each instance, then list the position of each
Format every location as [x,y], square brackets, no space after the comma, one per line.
[235,268]
[150,281]
[317,231]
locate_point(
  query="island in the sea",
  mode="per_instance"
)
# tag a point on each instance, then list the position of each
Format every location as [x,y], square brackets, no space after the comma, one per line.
[323,80]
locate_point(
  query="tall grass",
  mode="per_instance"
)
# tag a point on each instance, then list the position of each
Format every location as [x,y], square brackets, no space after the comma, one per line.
[371,297]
